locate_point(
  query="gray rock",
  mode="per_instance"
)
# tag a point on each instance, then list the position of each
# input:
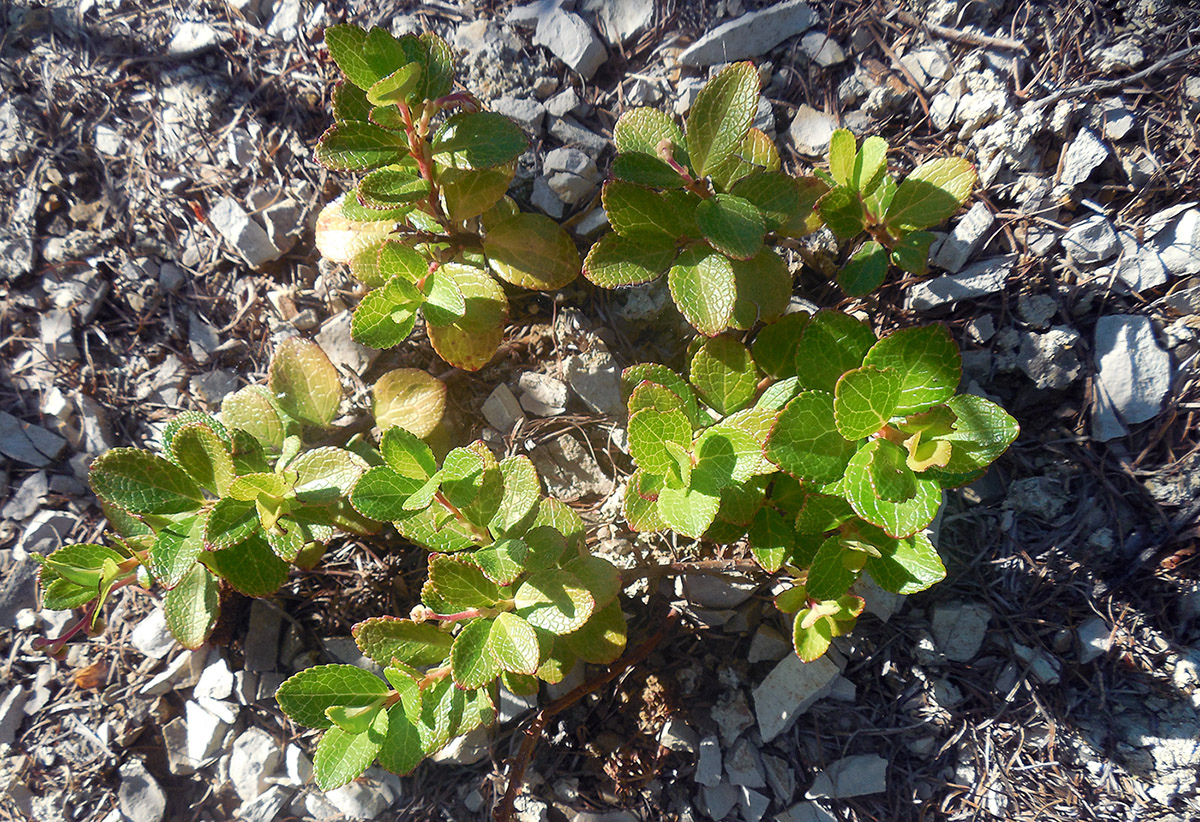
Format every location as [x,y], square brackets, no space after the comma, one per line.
[716,592]
[254,758]
[1095,638]
[822,49]
[929,66]
[970,230]
[244,235]
[285,23]
[216,680]
[266,806]
[788,691]
[514,706]
[1171,249]
[851,776]
[780,777]
[175,735]
[732,714]
[27,443]
[767,644]
[261,648]
[192,37]
[297,765]
[338,344]
[546,200]
[565,102]
[139,795]
[1051,360]
[528,113]
[1133,375]
[526,16]
[1178,244]
[753,804]
[1044,668]
[178,674]
[744,767]
[1082,157]
[593,223]
[1091,240]
[570,133]
[57,331]
[205,732]
[541,394]
[284,221]
[879,603]
[958,629]
[171,277]
[464,750]
[12,713]
[594,376]
[719,799]
[1123,56]
[1116,119]
[685,93]
[28,496]
[750,35]
[501,410]
[976,280]
[1036,310]
[213,386]
[811,131]
[678,736]
[625,19]
[708,763]
[806,812]
[151,636]
[572,41]
[570,174]
[361,799]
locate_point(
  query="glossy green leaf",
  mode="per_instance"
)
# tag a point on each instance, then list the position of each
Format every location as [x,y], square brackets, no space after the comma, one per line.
[865,399]
[554,600]
[911,252]
[616,261]
[724,374]
[637,135]
[175,549]
[834,569]
[601,640]
[831,344]
[251,567]
[438,77]
[636,211]
[842,211]
[143,483]
[775,195]
[841,156]
[386,315]
[306,696]
[364,57]
[461,584]
[811,641]
[522,489]
[381,493]
[911,567]
[477,140]
[927,361]
[756,153]
[470,341]
[401,750]
[326,474]
[472,664]
[385,639]
[393,186]
[304,381]
[634,375]
[819,513]
[721,115]
[870,164]
[357,146]
[514,644]
[198,450]
[703,286]
[890,475]
[532,251]
[191,607]
[764,288]
[410,400]
[341,757]
[649,431]
[806,442]
[732,225]
[397,87]
[471,192]
[897,519]
[639,506]
[254,486]
[688,511]
[253,410]
[931,194]
[350,102]
[775,346]
[771,539]
[502,561]
[865,270]
[406,454]
[982,432]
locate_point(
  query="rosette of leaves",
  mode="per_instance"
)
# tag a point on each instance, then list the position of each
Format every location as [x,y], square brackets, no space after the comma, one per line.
[235,499]
[703,206]
[428,228]
[513,597]
[864,200]
[826,448]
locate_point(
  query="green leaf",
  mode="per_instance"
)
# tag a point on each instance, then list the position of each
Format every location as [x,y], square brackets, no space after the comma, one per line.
[546,544]
[811,641]
[252,409]
[401,750]
[640,504]
[831,344]
[703,286]
[461,584]
[870,165]
[175,549]
[635,375]
[775,346]
[601,641]
[357,146]
[470,342]
[864,400]
[841,156]
[732,225]
[364,58]
[324,475]
[721,115]
[775,195]
[778,394]
[251,567]
[821,512]
[393,186]
[687,510]
[931,194]
[472,663]
[878,200]
[865,270]
[724,374]
[502,561]
[756,153]
[514,644]
[927,361]
[480,139]
[637,135]
[306,696]
[341,757]
[655,397]
[636,211]
[806,442]
[648,433]
[764,288]
[406,454]
[256,486]
[616,261]
[911,253]
[350,102]
[598,575]
[897,519]
[532,251]
[198,450]
[982,432]
[395,259]
[834,569]
[522,489]
[191,607]
[554,600]
[438,77]
[912,566]
[842,211]
[386,315]
[890,475]
[82,564]
[397,87]
[409,400]
[304,382]
[472,482]
[385,639]
[471,192]
[143,483]
[771,539]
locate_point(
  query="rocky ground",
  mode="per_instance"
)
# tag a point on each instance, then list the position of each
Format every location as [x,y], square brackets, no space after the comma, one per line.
[159,196]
